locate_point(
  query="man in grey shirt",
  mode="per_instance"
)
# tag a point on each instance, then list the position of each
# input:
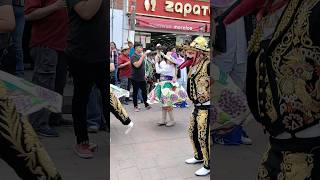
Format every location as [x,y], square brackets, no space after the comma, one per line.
[138,76]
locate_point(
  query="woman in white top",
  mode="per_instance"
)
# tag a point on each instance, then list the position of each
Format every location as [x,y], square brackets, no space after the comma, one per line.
[167,70]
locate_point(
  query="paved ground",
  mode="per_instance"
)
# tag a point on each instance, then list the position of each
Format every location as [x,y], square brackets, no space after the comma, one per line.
[61,151]
[69,165]
[150,152]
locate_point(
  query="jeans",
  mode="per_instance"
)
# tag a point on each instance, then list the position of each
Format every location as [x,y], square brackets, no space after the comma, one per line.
[8,60]
[85,76]
[94,109]
[124,81]
[50,72]
[17,38]
[139,85]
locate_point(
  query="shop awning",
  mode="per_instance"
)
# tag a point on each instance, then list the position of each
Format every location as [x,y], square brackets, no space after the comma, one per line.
[170,24]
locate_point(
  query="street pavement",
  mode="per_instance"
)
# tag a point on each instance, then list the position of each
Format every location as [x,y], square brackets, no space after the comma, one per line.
[69,165]
[150,152]
[61,152]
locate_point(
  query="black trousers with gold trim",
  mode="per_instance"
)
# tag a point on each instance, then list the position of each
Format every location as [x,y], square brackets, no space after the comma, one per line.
[20,147]
[118,110]
[199,132]
[294,159]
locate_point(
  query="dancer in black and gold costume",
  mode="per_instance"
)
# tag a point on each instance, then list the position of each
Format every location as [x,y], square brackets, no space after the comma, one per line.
[20,146]
[199,92]
[285,93]
[119,112]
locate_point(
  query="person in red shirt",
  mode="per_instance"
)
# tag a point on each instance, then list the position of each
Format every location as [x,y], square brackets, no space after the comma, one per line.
[124,66]
[49,20]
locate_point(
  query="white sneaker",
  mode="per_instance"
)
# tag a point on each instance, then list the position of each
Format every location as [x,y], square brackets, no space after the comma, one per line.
[129,127]
[193,161]
[246,141]
[202,172]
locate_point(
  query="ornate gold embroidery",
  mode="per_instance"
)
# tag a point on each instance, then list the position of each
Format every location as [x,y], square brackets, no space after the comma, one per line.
[263,173]
[293,61]
[296,166]
[191,135]
[15,130]
[200,88]
[116,104]
[288,14]
[202,119]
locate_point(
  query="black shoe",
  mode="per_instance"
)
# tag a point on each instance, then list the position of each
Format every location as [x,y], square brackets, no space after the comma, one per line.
[57,120]
[48,132]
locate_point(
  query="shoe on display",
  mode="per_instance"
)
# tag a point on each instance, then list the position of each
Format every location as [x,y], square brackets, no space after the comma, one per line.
[202,172]
[193,161]
[129,127]
[83,151]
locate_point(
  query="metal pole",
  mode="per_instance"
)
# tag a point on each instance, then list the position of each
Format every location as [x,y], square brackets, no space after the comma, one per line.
[112,17]
[124,9]
[133,15]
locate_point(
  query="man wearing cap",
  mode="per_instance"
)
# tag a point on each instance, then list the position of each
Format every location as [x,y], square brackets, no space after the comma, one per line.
[199,93]
[285,91]
[124,70]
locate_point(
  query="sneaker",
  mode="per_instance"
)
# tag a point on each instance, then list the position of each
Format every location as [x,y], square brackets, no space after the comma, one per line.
[83,151]
[170,123]
[93,129]
[93,147]
[193,161]
[48,132]
[246,140]
[129,127]
[161,123]
[148,107]
[202,172]
[136,109]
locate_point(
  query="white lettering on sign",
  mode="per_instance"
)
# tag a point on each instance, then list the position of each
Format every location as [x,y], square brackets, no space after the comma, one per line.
[186,9]
[169,6]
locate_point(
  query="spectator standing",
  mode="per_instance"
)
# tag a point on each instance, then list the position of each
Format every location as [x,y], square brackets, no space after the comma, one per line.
[48,41]
[138,76]
[124,70]
[158,58]
[16,36]
[131,53]
[95,116]
[114,56]
[88,62]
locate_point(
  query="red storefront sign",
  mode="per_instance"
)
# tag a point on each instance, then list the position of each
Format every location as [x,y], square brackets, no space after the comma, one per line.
[169,24]
[188,10]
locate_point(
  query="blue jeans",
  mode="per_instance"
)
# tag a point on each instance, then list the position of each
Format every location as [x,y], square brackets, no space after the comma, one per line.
[17,38]
[94,109]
